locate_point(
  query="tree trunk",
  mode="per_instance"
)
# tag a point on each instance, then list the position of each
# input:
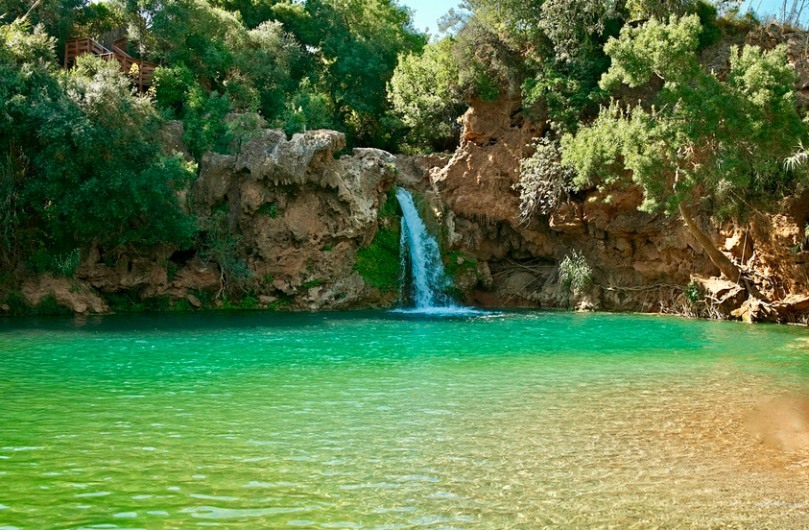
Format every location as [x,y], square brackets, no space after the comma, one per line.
[727,267]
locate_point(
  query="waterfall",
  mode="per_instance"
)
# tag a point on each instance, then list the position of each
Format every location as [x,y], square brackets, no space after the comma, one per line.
[428,281]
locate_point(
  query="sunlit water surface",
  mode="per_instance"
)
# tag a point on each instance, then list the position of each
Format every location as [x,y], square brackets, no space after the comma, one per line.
[381,420]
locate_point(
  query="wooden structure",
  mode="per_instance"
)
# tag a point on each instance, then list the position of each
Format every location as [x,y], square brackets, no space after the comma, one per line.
[140,71]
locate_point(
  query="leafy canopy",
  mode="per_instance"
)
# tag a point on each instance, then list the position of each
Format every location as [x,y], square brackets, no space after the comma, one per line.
[703,137]
[425,93]
[83,162]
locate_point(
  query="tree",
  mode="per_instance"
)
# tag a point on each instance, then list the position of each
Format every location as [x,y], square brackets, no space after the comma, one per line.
[102,176]
[426,96]
[659,9]
[703,139]
[359,42]
[81,159]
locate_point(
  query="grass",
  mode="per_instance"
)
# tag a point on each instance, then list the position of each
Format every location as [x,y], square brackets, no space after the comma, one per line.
[456,263]
[378,263]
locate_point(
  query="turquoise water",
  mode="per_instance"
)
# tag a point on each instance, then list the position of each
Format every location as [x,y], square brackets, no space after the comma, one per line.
[380,420]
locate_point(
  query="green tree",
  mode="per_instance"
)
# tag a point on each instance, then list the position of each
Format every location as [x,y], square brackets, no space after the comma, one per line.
[103,177]
[704,139]
[425,94]
[81,160]
[359,42]
[272,63]
[56,17]
[308,108]
[659,9]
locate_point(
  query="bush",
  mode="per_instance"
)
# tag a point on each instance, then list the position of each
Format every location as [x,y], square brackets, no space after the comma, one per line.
[543,179]
[204,122]
[425,95]
[171,85]
[693,292]
[221,246]
[42,261]
[575,274]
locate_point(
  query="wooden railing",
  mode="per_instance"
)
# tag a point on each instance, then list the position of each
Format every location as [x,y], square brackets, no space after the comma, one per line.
[140,71]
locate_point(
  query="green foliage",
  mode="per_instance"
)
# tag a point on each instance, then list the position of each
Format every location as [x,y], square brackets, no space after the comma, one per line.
[48,306]
[311,284]
[97,18]
[193,33]
[659,9]
[489,66]
[456,263]
[360,42]
[270,209]
[574,27]
[711,31]
[270,63]
[693,292]
[220,245]
[425,94]
[390,208]
[42,260]
[379,263]
[280,304]
[16,304]
[205,126]
[517,21]
[172,85]
[124,302]
[308,108]
[543,179]
[246,302]
[307,65]
[171,270]
[575,274]
[705,137]
[566,92]
[54,17]
[664,49]
[84,164]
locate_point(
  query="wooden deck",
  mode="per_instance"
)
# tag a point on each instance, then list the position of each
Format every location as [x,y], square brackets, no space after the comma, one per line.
[141,75]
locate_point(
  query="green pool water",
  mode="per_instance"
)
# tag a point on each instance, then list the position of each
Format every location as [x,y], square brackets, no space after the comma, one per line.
[379,420]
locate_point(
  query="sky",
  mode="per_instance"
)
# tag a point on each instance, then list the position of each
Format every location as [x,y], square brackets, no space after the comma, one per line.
[427,12]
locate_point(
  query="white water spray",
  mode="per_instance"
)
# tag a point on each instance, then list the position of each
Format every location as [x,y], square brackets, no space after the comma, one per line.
[429,281]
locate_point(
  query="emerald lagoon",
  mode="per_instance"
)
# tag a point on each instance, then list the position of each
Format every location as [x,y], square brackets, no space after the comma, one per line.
[388,420]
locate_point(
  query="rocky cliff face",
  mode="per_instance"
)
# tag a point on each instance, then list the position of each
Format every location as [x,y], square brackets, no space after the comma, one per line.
[301,214]
[282,221]
[639,262]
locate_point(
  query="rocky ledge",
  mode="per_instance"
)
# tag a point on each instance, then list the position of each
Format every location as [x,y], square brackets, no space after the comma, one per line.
[281,222]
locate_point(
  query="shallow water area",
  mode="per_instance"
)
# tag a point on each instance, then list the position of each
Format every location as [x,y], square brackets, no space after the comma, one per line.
[401,420]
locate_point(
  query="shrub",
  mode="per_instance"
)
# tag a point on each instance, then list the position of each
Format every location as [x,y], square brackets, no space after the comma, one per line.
[221,246]
[693,292]
[543,179]
[575,274]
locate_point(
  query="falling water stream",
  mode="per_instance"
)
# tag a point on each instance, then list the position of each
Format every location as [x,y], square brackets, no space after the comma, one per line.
[429,283]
